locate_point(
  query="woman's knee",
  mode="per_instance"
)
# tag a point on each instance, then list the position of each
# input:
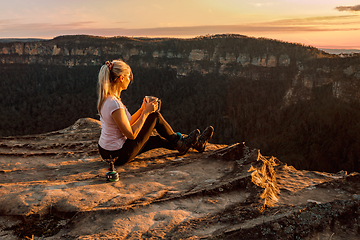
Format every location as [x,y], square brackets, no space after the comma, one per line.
[155,115]
[153,118]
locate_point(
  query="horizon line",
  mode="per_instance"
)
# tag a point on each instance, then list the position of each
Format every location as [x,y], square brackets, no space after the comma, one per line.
[177,37]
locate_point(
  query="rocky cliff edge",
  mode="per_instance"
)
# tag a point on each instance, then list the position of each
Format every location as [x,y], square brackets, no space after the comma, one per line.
[53,186]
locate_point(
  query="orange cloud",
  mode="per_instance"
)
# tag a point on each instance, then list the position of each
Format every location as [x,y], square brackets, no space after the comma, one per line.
[319,21]
[285,26]
[348,8]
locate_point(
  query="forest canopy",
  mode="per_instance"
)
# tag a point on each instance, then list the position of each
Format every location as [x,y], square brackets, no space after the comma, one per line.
[316,134]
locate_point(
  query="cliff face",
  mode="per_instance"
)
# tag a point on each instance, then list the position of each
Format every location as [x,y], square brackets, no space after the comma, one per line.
[85,50]
[232,55]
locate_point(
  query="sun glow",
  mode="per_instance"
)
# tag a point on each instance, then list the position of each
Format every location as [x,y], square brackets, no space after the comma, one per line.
[318,23]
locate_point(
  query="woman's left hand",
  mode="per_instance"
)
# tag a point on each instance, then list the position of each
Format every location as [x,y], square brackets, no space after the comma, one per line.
[150,107]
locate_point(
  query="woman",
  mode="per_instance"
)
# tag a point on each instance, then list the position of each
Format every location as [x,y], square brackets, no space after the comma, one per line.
[124,136]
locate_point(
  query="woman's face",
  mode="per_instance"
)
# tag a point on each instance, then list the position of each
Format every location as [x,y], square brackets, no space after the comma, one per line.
[126,79]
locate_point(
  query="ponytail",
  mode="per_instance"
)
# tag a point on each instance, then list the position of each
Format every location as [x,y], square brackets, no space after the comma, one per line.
[103,86]
[108,74]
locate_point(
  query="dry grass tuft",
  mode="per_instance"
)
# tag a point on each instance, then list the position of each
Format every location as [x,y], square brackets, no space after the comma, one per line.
[264,176]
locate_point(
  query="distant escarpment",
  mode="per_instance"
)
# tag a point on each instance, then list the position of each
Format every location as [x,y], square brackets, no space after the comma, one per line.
[204,54]
[231,55]
[291,101]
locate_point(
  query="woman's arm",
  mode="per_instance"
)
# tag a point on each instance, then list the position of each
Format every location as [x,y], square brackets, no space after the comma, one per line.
[131,131]
[137,114]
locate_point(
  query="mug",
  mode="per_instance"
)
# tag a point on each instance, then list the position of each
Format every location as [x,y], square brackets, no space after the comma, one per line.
[152,98]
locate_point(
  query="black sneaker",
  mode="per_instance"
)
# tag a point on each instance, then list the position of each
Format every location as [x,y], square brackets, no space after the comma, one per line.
[203,139]
[186,142]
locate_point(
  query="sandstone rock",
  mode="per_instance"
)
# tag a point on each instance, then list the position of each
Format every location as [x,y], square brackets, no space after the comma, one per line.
[198,54]
[244,59]
[284,60]
[271,61]
[52,186]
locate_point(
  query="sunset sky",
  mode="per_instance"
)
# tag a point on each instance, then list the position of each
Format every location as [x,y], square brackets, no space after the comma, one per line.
[319,23]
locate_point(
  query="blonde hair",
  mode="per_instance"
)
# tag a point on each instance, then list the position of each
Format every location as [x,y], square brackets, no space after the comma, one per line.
[108,75]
